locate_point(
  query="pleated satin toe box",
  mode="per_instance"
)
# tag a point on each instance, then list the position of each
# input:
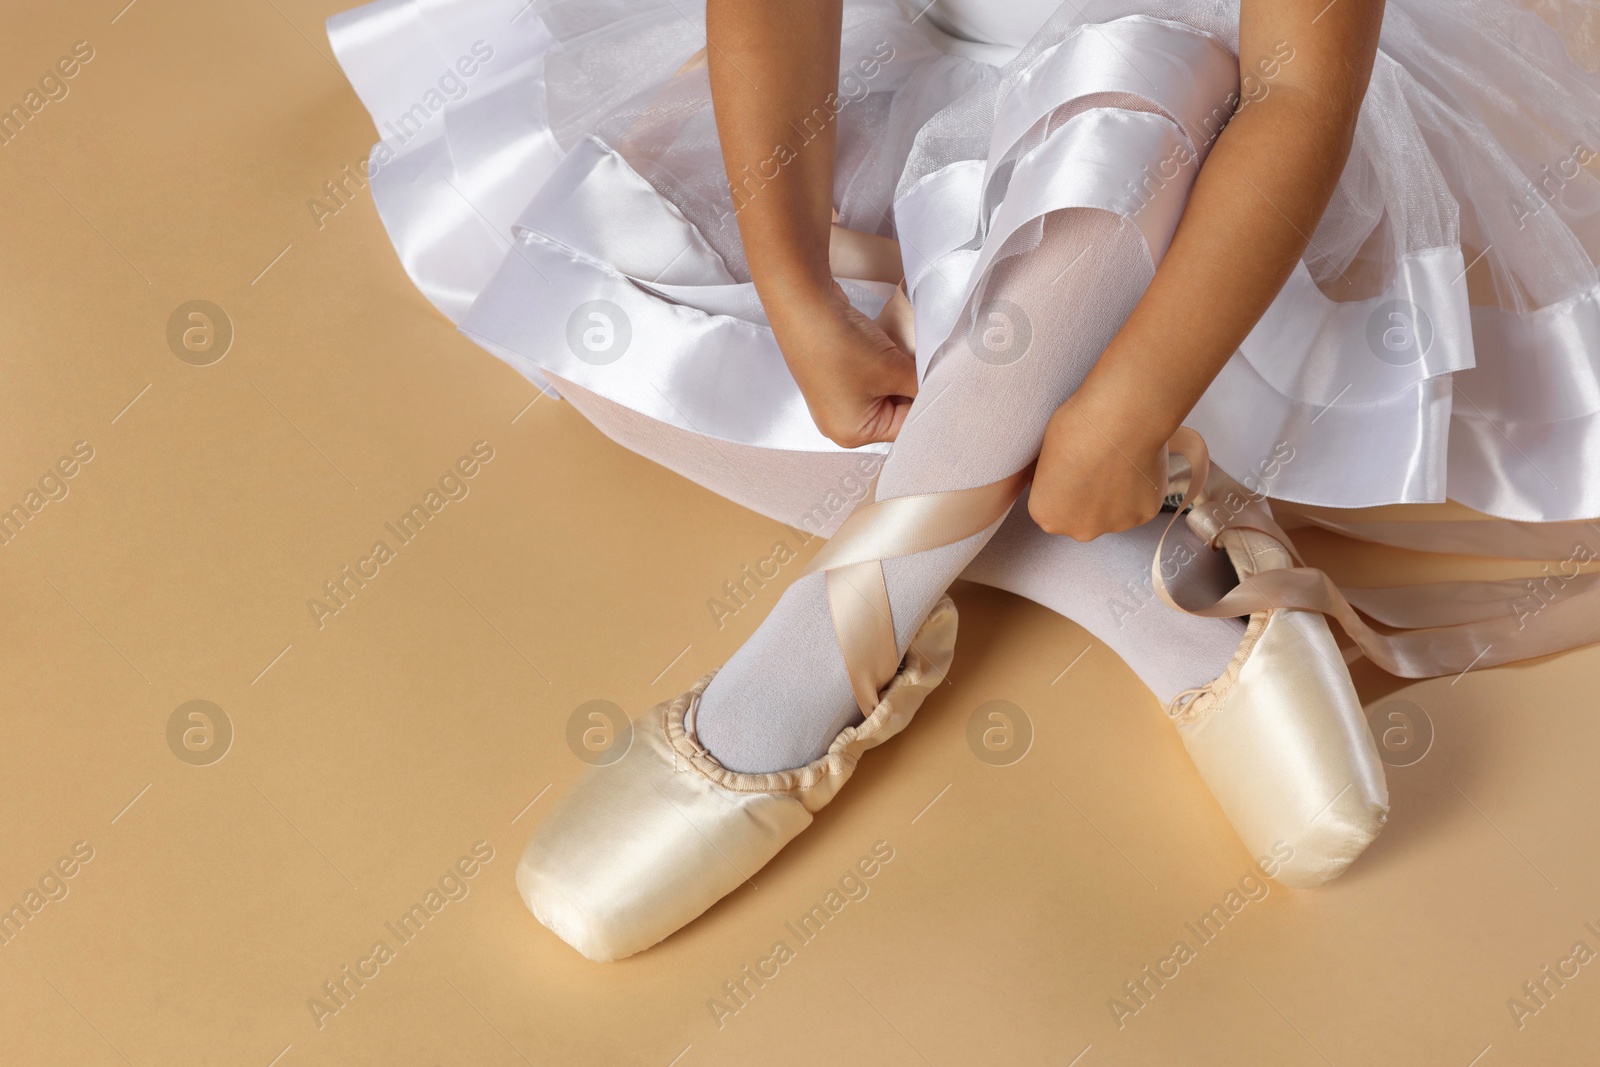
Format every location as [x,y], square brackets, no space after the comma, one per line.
[642,846]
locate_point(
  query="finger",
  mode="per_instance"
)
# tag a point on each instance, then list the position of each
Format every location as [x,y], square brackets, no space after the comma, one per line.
[887,419]
[901,409]
[894,373]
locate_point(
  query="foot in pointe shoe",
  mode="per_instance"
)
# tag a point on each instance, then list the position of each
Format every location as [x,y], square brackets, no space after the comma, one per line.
[639,848]
[1279,737]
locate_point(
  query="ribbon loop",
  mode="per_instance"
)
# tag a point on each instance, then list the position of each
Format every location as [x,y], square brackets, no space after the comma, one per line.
[1461,634]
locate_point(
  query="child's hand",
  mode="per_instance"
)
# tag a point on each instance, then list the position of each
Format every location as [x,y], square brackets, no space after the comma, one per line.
[1095,475]
[857,383]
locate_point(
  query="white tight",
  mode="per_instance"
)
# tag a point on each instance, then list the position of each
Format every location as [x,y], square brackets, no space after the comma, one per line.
[979,416]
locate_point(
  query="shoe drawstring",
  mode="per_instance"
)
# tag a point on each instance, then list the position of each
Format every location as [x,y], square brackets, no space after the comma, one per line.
[1184,701]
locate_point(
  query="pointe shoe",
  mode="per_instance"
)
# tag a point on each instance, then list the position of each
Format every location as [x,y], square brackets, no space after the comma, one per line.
[641,847]
[1279,737]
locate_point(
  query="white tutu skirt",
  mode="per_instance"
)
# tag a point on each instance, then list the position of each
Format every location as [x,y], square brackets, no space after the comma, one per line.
[550,176]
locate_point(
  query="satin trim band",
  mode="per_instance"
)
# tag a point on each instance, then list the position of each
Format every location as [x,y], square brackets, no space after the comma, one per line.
[1447,627]
[884,529]
[1367,427]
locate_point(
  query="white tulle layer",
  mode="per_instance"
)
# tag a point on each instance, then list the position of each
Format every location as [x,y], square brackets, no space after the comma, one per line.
[1441,338]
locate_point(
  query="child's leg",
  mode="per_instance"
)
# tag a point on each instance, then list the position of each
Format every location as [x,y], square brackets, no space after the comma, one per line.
[784,695]
[1104,586]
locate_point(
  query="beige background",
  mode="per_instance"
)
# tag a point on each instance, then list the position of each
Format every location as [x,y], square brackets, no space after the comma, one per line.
[428,714]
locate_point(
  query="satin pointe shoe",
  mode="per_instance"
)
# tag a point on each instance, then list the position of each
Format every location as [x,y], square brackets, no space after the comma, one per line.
[641,847]
[1279,737]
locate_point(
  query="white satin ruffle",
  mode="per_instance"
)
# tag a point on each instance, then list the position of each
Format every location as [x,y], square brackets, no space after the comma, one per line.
[574,168]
